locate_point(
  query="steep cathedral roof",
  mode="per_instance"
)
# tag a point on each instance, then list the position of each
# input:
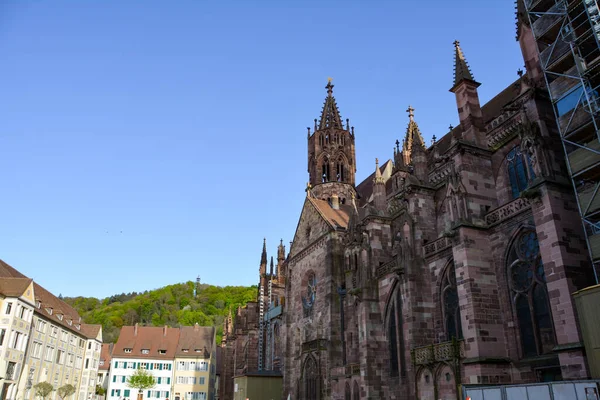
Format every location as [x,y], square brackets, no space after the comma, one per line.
[330,116]
[335,218]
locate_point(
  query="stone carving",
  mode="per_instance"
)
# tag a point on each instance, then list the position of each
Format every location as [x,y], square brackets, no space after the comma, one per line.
[446,351]
[436,246]
[508,210]
[532,143]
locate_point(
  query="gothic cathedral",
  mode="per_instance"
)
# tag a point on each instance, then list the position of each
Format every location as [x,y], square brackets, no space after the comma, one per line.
[452,263]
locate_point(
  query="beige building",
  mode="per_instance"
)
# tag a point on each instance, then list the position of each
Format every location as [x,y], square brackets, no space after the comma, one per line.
[195,363]
[49,340]
[16,313]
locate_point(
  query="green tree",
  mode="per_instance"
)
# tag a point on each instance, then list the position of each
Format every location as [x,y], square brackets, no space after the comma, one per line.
[65,391]
[100,391]
[141,380]
[43,389]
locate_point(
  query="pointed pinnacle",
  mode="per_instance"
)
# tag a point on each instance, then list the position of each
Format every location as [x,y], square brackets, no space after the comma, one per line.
[461,68]
[263,257]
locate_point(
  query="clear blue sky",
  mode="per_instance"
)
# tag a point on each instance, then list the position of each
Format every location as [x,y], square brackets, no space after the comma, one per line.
[144,143]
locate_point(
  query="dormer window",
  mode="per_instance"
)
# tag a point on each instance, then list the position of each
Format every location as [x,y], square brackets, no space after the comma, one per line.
[39,304]
[198,350]
[128,350]
[49,310]
[78,326]
[70,322]
[162,351]
[145,351]
[60,317]
[185,350]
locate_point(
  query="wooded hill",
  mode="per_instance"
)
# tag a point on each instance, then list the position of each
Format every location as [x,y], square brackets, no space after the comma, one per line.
[172,305]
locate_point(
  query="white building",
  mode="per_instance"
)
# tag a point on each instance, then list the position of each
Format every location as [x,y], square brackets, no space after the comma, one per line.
[145,347]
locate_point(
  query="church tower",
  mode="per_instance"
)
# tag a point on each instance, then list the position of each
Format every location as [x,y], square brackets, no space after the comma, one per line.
[331,155]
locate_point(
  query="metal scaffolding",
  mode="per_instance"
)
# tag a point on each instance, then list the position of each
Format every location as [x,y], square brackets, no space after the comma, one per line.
[567,33]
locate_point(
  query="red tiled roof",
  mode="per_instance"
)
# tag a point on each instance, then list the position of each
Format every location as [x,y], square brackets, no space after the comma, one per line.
[106,355]
[192,338]
[14,287]
[149,338]
[6,271]
[91,331]
[365,188]
[337,218]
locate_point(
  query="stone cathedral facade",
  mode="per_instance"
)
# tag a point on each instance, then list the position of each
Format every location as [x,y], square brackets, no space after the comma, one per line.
[452,264]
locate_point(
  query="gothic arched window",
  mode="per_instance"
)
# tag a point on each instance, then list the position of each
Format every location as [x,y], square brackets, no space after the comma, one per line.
[520,171]
[340,170]
[325,170]
[347,394]
[450,305]
[356,391]
[527,283]
[395,334]
[321,140]
[310,379]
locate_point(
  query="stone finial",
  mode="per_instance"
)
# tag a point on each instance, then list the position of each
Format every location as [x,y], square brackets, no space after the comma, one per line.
[411,113]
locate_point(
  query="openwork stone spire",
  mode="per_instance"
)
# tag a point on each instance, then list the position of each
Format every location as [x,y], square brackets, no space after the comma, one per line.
[263,257]
[330,116]
[412,137]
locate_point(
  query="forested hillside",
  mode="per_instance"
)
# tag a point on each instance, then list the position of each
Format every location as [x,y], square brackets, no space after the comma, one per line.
[171,305]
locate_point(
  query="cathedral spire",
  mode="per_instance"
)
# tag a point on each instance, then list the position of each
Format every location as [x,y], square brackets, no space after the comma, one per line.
[461,68]
[263,257]
[271,268]
[412,137]
[330,115]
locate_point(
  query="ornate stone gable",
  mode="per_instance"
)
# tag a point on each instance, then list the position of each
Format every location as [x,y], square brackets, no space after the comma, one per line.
[311,226]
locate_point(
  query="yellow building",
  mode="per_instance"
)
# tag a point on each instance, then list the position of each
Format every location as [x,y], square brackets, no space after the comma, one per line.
[195,363]
[16,313]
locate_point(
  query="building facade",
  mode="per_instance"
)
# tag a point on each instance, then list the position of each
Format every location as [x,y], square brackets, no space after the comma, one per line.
[17,302]
[50,340]
[195,363]
[181,360]
[452,264]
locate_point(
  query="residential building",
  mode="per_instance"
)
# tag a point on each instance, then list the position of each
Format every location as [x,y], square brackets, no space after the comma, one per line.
[54,349]
[104,364]
[195,363]
[451,264]
[145,347]
[17,301]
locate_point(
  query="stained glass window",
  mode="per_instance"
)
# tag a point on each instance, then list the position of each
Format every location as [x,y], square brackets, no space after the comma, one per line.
[395,334]
[450,304]
[309,377]
[530,296]
[520,171]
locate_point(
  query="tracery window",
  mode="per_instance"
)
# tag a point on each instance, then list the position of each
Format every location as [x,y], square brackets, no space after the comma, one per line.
[347,394]
[325,171]
[395,334]
[309,379]
[520,171]
[450,305]
[527,282]
[356,391]
[340,170]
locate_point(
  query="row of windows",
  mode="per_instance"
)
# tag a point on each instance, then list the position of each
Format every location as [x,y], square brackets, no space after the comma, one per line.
[195,396]
[190,380]
[528,293]
[73,340]
[22,312]
[143,365]
[192,366]
[62,357]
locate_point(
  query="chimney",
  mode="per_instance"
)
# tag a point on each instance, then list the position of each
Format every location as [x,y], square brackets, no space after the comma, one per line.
[165,331]
[335,202]
[135,329]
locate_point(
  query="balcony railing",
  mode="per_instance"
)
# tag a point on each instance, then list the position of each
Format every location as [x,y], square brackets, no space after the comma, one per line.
[446,351]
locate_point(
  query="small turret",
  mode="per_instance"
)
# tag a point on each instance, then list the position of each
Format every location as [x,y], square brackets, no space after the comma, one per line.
[271,268]
[280,260]
[467,99]
[378,189]
[411,138]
